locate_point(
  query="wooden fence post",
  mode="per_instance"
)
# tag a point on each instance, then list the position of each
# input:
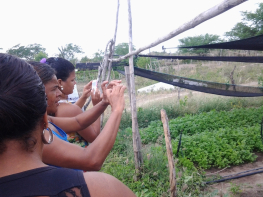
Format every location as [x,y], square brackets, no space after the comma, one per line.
[128,81]
[137,144]
[169,153]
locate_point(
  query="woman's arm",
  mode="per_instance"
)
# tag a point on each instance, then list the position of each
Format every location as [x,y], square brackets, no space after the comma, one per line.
[83,119]
[85,94]
[91,132]
[79,120]
[68,110]
[64,154]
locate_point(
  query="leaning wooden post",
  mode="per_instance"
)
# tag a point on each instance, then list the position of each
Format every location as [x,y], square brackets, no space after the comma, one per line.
[137,144]
[112,46]
[169,153]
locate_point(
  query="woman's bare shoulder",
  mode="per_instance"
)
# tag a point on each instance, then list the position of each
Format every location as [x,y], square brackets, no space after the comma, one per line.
[68,110]
[102,184]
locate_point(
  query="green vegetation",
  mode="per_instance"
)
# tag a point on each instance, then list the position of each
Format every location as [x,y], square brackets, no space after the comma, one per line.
[215,138]
[213,120]
[29,52]
[154,178]
[69,51]
[235,189]
[222,132]
[250,26]
[85,76]
[40,56]
[198,40]
[221,148]
[192,106]
[142,62]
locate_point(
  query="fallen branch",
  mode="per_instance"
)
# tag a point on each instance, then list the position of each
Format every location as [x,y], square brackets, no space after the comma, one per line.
[212,12]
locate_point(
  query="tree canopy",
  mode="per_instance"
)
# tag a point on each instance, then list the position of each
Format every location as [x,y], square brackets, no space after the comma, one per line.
[122,49]
[85,59]
[40,55]
[98,56]
[198,40]
[69,51]
[28,52]
[251,25]
[142,62]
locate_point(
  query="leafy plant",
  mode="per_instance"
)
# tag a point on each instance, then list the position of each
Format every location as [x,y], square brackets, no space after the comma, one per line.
[235,189]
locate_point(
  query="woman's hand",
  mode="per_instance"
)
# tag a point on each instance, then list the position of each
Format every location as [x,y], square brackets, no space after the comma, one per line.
[95,96]
[87,90]
[109,87]
[116,98]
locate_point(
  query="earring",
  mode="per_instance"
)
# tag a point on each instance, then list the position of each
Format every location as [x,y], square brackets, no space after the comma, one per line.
[50,140]
[61,87]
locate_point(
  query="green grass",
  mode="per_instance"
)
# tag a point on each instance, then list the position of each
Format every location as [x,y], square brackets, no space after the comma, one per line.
[187,106]
[154,177]
[217,139]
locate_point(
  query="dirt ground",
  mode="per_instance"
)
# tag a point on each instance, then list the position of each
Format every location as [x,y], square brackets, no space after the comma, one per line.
[249,186]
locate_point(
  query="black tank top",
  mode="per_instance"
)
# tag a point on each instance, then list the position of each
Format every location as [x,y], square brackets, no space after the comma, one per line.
[45,181]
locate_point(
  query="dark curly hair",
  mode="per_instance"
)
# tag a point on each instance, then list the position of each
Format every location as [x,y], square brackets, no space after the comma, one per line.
[63,67]
[22,101]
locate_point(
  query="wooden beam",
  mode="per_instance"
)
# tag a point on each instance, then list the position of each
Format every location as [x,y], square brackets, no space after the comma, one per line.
[211,13]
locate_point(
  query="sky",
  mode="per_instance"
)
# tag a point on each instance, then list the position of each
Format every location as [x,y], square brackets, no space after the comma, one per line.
[91,24]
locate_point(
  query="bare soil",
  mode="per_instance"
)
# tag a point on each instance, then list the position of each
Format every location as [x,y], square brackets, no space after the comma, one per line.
[249,186]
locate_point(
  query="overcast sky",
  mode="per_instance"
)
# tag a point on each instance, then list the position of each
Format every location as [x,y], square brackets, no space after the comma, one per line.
[91,24]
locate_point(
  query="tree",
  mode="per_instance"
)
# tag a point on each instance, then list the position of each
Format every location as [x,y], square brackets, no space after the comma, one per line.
[74,61]
[98,56]
[40,56]
[142,62]
[27,52]
[198,40]
[123,49]
[68,52]
[84,59]
[251,25]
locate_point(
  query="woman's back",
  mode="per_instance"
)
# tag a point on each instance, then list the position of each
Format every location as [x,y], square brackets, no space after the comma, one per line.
[45,181]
